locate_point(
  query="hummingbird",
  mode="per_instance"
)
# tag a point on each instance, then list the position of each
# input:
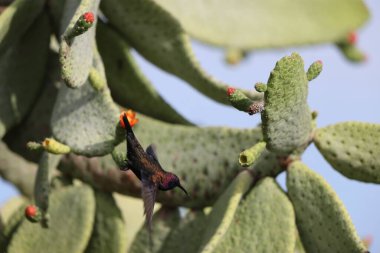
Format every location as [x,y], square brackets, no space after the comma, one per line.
[145,165]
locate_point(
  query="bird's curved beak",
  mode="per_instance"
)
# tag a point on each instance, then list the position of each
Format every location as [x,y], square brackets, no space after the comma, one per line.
[183,189]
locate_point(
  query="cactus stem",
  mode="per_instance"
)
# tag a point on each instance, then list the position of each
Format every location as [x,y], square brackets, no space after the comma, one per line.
[243,103]
[55,147]
[249,156]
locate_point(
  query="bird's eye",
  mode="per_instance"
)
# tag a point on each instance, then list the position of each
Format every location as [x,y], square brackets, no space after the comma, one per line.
[172,184]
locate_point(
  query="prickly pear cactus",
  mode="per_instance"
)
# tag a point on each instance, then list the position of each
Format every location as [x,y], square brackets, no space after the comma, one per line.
[351,148]
[286,118]
[66,68]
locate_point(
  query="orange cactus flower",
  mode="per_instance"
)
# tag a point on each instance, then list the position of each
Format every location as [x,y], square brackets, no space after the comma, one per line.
[131,116]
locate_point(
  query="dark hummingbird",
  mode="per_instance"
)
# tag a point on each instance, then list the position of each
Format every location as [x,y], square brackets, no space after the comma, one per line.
[146,167]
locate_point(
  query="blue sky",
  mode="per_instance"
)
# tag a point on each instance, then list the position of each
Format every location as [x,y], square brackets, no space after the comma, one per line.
[343,92]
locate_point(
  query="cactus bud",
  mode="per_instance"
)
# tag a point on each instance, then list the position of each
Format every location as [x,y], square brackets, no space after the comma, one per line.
[314,70]
[55,147]
[352,38]
[243,103]
[234,56]
[349,49]
[32,213]
[32,145]
[260,87]
[84,23]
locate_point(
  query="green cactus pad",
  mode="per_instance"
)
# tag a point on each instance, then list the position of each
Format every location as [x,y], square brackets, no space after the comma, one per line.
[249,156]
[22,69]
[322,220]
[108,235]
[264,222]
[76,53]
[36,125]
[12,222]
[352,148]
[286,118]
[72,212]
[47,165]
[85,120]
[129,87]
[12,166]
[15,21]
[56,9]
[314,70]
[263,24]
[222,214]
[185,238]
[156,35]
[164,220]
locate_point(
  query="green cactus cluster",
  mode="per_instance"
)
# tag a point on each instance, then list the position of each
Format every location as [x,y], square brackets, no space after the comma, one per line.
[67,71]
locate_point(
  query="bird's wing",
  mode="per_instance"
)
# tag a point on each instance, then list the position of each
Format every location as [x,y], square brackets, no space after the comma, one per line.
[151,151]
[149,191]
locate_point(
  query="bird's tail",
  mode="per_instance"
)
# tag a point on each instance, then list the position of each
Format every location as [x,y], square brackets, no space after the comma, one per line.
[150,239]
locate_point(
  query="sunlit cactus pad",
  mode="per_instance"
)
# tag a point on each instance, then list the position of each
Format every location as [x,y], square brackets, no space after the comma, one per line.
[322,220]
[71,220]
[85,120]
[257,24]
[108,235]
[12,214]
[224,210]
[264,212]
[286,118]
[352,148]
